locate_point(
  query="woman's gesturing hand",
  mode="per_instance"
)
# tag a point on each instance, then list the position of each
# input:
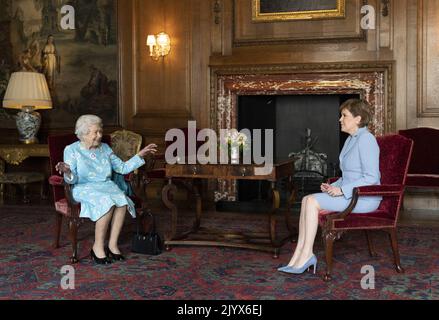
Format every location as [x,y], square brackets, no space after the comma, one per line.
[150,148]
[62,168]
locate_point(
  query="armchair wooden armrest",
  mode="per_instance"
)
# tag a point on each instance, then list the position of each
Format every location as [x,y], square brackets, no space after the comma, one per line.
[331,219]
[56,181]
[69,196]
[381,190]
[393,190]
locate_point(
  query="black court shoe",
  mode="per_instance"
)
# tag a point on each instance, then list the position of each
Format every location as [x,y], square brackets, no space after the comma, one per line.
[99,260]
[114,256]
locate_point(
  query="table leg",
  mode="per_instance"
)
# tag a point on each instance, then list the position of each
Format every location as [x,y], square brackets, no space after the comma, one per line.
[167,195]
[194,190]
[277,243]
[272,219]
[290,202]
[198,204]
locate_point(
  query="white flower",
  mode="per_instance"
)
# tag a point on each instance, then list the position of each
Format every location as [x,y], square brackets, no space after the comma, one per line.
[241,138]
[235,137]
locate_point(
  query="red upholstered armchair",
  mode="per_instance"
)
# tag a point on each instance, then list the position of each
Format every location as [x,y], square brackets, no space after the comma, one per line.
[65,206]
[424,165]
[395,153]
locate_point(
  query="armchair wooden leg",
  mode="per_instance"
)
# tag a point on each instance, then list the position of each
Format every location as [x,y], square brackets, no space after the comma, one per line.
[394,242]
[43,190]
[73,228]
[26,198]
[58,225]
[370,244]
[329,238]
[12,190]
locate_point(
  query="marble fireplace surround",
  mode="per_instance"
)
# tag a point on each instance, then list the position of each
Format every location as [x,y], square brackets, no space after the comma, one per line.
[373,81]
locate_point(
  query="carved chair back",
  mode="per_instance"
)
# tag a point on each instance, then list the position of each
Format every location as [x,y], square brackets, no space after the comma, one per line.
[125,144]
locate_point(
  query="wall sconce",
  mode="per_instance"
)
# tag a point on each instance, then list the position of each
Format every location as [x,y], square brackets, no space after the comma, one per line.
[159,45]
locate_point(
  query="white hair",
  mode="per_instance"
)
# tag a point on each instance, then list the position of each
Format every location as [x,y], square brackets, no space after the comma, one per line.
[84,123]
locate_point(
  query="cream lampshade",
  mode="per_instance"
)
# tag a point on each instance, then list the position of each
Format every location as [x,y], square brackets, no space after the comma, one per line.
[27,91]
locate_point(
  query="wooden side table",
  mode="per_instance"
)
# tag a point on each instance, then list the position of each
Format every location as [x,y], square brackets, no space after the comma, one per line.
[197,235]
[15,154]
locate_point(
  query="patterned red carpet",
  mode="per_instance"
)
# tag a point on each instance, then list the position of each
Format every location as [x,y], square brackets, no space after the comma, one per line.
[31,269]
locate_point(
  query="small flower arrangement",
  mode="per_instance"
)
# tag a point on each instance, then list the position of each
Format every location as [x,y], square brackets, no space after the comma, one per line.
[236,138]
[236,143]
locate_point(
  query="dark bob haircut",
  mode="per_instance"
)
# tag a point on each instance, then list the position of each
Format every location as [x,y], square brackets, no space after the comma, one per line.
[358,108]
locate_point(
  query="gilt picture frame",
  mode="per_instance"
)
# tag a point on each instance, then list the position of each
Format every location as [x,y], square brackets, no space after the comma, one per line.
[287,10]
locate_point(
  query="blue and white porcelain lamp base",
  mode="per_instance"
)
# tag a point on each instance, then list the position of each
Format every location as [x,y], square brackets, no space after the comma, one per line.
[28,123]
[27,92]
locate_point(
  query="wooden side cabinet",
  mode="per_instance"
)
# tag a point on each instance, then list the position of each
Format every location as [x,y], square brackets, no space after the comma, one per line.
[15,154]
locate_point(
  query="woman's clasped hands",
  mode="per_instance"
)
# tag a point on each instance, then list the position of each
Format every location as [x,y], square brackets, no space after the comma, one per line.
[331,190]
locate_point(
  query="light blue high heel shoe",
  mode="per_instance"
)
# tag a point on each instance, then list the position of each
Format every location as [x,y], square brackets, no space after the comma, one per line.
[311,262]
[283,268]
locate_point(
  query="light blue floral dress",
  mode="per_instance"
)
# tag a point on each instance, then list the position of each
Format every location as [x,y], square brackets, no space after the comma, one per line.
[91,175]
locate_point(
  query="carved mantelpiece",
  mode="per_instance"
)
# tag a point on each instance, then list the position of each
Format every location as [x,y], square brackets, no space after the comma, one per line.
[373,81]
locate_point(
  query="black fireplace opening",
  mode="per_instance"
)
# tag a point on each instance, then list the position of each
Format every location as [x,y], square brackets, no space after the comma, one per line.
[296,120]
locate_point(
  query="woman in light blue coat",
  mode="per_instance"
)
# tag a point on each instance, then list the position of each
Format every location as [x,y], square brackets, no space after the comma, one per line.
[359,162]
[88,165]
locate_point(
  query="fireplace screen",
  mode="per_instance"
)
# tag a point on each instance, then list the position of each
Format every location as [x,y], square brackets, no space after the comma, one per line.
[310,167]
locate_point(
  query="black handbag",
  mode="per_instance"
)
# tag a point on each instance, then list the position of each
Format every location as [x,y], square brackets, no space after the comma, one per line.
[147,243]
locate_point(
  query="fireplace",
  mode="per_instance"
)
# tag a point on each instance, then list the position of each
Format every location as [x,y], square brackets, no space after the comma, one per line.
[371,81]
[304,125]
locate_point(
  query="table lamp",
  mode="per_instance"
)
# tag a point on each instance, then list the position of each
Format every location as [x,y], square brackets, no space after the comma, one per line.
[27,91]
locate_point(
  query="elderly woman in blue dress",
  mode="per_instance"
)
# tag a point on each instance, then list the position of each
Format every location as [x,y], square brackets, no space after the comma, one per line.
[88,165]
[359,162]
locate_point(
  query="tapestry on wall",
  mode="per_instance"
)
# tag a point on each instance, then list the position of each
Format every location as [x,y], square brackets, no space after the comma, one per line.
[80,65]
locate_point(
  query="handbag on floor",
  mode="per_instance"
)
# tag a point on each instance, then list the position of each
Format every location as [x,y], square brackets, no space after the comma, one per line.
[147,243]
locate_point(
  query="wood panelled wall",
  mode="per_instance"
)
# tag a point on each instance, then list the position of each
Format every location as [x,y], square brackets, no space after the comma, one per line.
[205,34]
[155,96]
[158,95]
[210,33]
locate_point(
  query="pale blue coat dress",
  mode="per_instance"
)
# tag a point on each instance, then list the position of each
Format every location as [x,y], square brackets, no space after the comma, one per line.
[91,176]
[360,166]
